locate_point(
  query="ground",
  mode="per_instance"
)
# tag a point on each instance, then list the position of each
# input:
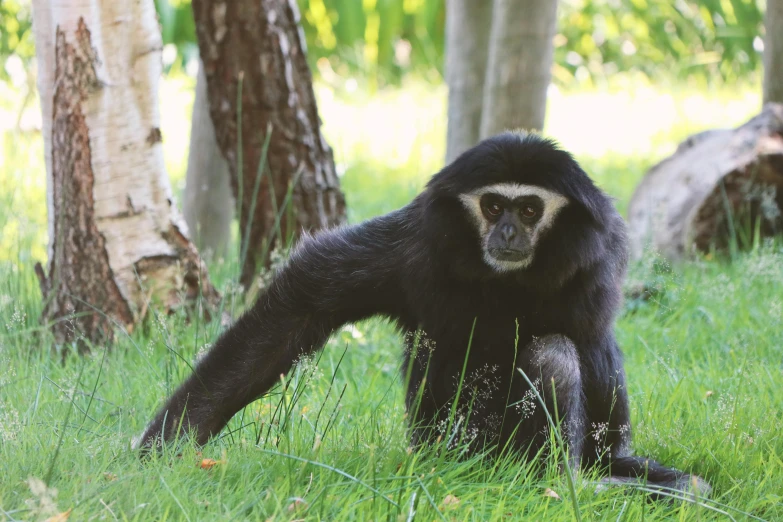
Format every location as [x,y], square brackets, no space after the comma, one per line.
[704,358]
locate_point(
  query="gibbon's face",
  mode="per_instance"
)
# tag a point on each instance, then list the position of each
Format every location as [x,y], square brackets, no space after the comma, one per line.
[510,219]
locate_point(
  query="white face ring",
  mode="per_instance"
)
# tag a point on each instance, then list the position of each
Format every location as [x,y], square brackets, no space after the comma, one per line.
[553,202]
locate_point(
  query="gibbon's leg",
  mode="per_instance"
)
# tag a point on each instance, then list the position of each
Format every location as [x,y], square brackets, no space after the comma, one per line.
[337,277]
[608,426]
[609,431]
[548,359]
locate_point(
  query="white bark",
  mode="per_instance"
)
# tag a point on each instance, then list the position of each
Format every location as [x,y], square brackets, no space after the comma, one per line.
[520,63]
[773,52]
[467,46]
[208,203]
[116,48]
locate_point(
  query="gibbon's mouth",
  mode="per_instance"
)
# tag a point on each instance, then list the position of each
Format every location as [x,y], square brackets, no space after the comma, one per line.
[508,254]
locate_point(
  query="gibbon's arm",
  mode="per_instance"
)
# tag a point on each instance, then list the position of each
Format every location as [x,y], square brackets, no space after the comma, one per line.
[337,277]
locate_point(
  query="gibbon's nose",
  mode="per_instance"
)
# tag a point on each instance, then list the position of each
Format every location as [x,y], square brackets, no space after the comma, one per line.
[508,232]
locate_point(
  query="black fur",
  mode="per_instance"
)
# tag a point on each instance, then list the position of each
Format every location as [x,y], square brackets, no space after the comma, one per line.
[422,267]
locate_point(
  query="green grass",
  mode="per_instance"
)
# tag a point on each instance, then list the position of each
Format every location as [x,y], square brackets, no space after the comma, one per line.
[704,360]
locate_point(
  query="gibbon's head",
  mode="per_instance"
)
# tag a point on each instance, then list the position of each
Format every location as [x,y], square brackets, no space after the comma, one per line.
[509,219]
[526,204]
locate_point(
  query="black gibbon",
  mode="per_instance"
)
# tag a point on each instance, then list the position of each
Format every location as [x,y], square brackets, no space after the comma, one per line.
[510,258]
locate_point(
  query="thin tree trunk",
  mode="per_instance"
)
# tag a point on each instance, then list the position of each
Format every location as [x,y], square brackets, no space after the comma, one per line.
[467,47]
[520,63]
[773,52]
[116,241]
[258,44]
[208,203]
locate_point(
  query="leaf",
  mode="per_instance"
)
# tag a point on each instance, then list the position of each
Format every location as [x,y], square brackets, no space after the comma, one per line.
[297,504]
[208,463]
[450,500]
[60,517]
[551,494]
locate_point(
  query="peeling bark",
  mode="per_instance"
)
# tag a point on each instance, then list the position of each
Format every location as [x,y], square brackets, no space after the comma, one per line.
[116,241]
[79,266]
[260,42]
[717,185]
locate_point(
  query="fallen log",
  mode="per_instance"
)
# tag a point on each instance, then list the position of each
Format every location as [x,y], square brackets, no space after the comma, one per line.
[721,189]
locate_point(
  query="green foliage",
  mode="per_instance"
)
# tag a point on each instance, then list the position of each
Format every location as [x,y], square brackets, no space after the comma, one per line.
[178,31]
[380,41]
[383,39]
[683,38]
[16,36]
[596,38]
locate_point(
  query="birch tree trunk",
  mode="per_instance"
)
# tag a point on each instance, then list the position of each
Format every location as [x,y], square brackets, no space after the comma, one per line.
[208,204]
[520,63]
[773,52]
[258,47]
[116,241]
[467,46]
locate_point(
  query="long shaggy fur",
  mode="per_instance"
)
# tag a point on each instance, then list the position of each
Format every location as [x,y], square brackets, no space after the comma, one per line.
[422,267]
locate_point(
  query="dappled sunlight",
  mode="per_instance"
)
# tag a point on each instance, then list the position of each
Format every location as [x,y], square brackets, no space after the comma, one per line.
[407,127]
[399,128]
[644,121]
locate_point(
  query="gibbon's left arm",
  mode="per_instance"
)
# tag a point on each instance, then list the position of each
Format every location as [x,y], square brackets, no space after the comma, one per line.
[337,277]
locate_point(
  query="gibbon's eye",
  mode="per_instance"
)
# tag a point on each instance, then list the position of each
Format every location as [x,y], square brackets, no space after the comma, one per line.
[529,212]
[493,209]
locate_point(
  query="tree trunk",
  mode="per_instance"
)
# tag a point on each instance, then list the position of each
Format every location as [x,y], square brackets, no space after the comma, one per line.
[467,46]
[720,189]
[773,52]
[208,204]
[115,239]
[257,45]
[520,63]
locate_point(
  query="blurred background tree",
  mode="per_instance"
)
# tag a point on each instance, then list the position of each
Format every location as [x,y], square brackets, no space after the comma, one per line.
[498,68]
[773,56]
